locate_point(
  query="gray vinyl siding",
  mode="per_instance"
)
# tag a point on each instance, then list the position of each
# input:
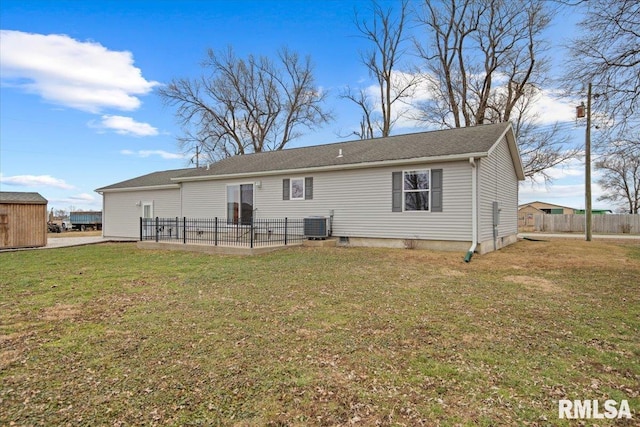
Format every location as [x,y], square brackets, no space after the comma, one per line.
[498,182]
[205,199]
[360,201]
[121,213]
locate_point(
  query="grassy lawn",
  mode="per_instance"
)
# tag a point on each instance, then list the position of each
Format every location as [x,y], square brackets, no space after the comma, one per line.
[112,335]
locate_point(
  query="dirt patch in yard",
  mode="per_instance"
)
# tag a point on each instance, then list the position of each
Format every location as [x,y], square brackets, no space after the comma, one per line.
[13,347]
[450,272]
[535,283]
[59,312]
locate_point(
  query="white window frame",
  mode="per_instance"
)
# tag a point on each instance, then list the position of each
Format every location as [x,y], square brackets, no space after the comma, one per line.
[404,192]
[144,205]
[291,188]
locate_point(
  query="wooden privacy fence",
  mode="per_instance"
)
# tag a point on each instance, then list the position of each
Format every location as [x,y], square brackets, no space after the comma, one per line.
[575,223]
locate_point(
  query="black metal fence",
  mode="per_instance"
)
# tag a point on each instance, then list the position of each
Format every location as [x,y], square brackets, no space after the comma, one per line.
[223,232]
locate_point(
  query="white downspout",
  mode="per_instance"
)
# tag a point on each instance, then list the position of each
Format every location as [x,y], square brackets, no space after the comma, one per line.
[474,210]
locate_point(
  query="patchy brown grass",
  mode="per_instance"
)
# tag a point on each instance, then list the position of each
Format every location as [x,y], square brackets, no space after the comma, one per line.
[111,335]
[530,282]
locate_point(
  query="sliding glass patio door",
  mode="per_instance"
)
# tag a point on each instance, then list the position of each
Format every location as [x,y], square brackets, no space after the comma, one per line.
[240,204]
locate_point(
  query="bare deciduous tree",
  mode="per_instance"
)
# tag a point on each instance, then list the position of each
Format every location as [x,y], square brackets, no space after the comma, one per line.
[607,54]
[367,122]
[480,51]
[486,64]
[386,33]
[241,106]
[621,176]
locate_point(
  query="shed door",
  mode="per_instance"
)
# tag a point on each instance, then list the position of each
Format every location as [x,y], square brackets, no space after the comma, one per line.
[4,230]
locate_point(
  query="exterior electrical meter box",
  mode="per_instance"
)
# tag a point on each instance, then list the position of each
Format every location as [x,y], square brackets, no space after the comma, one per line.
[496,214]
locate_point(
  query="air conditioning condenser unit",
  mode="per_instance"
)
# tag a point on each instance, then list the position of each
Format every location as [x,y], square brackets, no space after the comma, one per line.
[316,227]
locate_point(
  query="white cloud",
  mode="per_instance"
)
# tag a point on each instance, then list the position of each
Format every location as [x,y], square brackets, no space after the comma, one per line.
[569,168]
[565,194]
[550,108]
[82,75]
[35,181]
[82,197]
[82,201]
[408,107]
[148,153]
[125,126]
[567,187]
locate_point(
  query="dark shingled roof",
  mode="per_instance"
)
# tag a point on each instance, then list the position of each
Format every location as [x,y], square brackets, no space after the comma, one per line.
[22,198]
[436,144]
[149,180]
[450,142]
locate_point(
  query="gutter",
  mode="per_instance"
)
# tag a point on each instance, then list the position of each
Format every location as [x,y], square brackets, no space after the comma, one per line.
[474,210]
[149,187]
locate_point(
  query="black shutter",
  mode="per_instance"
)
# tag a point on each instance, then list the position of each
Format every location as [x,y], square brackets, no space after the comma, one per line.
[396,192]
[308,188]
[285,189]
[436,190]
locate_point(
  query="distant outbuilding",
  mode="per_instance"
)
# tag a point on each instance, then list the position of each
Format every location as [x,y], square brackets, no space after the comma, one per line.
[23,220]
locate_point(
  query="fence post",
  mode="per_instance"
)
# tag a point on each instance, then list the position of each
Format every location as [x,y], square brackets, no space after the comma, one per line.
[251,231]
[285,231]
[157,224]
[184,230]
[141,221]
[215,233]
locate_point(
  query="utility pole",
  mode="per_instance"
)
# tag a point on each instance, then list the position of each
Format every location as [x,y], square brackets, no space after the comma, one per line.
[587,171]
[197,157]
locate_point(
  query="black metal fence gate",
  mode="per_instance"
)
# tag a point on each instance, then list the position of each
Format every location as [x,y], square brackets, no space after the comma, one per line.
[223,232]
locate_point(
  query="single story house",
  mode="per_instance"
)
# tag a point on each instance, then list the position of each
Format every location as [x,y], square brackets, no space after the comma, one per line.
[23,220]
[453,189]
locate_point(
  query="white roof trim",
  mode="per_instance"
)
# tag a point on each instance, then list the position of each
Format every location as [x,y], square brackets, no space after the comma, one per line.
[151,187]
[509,135]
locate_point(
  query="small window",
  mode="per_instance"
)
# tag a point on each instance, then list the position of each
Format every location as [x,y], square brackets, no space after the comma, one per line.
[297,189]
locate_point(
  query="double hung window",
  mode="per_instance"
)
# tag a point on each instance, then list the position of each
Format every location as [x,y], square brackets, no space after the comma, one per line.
[416,189]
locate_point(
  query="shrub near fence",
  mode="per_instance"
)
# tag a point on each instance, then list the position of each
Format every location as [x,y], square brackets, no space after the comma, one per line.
[575,223]
[223,232]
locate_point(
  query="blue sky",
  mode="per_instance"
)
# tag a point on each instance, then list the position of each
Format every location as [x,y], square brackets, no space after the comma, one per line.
[78,102]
